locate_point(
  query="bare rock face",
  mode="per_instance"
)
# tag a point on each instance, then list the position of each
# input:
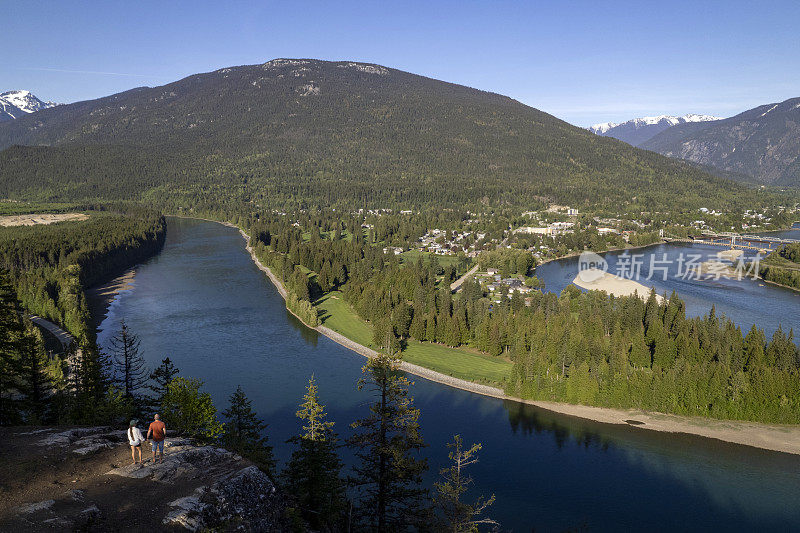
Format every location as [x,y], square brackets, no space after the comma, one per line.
[182,457]
[236,495]
[245,500]
[83,441]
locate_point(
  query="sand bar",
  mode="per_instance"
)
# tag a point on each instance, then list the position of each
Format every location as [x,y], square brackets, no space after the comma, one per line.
[597,280]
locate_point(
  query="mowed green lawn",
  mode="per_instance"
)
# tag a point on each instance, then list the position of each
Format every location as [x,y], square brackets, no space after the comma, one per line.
[336,314]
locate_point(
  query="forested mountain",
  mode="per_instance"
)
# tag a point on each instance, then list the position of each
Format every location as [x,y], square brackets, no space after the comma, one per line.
[14,104]
[638,130]
[305,132]
[763,143]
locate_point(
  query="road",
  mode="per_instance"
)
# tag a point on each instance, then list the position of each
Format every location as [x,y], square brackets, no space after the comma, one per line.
[456,285]
[460,281]
[63,337]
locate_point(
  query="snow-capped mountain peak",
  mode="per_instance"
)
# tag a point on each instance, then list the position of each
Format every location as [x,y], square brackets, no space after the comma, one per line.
[672,121]
[638,130]
[602,127]
[14,104]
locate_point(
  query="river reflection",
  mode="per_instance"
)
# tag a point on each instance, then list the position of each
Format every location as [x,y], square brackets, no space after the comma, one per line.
[204,304]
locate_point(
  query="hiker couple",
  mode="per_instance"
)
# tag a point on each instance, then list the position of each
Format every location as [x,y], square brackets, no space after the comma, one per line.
[157,428]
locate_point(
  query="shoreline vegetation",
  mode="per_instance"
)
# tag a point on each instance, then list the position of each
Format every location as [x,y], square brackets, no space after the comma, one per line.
[773,437]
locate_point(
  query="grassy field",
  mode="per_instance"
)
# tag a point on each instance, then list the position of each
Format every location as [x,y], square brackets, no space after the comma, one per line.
[336,314]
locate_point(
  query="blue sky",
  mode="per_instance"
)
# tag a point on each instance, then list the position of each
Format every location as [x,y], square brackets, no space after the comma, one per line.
[585,62]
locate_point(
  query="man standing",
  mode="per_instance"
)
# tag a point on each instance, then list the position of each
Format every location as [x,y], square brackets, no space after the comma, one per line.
[159,431]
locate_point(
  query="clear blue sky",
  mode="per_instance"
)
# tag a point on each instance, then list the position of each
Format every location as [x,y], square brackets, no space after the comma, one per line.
[585,62]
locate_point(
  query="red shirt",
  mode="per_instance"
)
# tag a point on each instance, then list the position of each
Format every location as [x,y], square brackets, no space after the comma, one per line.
[157,427]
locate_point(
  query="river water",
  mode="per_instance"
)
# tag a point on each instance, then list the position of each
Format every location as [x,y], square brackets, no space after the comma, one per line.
[746,301]
[204,304]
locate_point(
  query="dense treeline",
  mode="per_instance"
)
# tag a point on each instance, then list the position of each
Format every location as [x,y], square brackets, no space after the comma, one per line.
[51,265]
[25,371]
[783,266]
[625,352]
[330,255]
[507,261]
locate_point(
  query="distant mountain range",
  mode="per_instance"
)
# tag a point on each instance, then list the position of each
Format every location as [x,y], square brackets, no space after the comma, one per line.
[762,143]
[304,132]
[638,130]
[14,104]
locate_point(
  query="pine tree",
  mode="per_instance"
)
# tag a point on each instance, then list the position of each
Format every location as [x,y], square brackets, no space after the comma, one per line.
[12,333]
[36,385]
[161,378]
[130,371]
[244,432]
[387,444]
[459,516]
[313,475]
[430,328]
[417,329]
[324,278]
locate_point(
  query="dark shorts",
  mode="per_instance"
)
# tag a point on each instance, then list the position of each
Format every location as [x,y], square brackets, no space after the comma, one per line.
[136,445]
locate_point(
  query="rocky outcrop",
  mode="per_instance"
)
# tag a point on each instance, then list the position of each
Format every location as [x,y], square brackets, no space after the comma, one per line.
[197,487]
[84,441]
[245,500]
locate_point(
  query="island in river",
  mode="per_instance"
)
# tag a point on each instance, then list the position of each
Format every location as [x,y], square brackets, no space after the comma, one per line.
[596,280]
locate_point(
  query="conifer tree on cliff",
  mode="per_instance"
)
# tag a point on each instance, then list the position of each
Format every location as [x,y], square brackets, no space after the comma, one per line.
[460,516]
[129,367]
[160,379]
[244,432]
[388,443]
[36,384]
[312,477]
[12,333]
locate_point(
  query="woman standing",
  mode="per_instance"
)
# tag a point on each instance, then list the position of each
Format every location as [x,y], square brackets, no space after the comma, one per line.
[135,439]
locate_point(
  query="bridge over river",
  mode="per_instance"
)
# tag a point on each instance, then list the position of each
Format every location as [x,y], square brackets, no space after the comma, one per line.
[760,243]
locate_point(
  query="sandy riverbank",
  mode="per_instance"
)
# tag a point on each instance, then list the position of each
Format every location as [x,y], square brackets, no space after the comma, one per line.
[769,437]
[779,438]
[596,280]
[100,296]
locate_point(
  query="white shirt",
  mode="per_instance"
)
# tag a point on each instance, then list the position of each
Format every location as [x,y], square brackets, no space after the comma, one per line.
[135,436]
